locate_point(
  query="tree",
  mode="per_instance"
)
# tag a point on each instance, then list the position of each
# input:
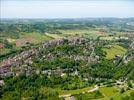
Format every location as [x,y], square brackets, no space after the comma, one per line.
[129,84]
[122,90]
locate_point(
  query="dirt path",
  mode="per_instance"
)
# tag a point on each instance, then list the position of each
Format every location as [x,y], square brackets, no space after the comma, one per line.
[91,90]
[94,89]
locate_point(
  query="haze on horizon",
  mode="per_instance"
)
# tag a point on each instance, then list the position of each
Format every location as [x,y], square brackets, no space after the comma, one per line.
[66,8]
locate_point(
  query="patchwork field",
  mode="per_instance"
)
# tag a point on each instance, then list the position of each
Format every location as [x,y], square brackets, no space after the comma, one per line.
[35,37]
[32,38]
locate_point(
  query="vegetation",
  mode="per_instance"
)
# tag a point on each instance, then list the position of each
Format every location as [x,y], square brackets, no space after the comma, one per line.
[114,51]
[59,59]
[89,96]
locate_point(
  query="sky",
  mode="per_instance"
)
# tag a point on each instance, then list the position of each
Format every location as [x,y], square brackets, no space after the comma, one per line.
[66,8]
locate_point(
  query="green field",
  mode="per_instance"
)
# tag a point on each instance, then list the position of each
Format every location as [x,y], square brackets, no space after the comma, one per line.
[118,96]
[114,50]
[78,91]
[33,37]
[55,36]
[82,32]
[89,96]
[108,92]
[112,92]
[4,51]
[105,93]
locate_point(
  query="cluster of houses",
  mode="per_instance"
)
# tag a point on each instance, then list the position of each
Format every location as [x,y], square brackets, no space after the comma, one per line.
[5,65]
[69,41]
[17,61]
[89,47]
[58,72]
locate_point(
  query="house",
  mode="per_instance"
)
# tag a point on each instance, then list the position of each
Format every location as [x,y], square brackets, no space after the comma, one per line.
[75,73]
[63,74]
[2,82]
[58,71]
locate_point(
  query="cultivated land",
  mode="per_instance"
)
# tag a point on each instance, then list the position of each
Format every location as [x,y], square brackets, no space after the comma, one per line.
[114,50]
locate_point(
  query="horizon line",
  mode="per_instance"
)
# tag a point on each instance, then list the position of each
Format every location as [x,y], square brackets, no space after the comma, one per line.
[68,18]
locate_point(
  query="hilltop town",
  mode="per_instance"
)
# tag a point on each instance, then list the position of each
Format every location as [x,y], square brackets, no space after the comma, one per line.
[59,60]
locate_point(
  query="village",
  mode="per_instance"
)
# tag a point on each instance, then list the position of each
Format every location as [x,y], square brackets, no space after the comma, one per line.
[67,59]
[7,65]
[25,63]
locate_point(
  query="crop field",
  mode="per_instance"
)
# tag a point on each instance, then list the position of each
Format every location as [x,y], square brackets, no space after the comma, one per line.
[108,92]
[114,50]
[55,36]
[35,37]
[82,32]
[32,38]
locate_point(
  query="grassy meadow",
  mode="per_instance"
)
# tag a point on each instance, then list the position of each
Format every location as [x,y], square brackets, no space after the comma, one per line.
[114,50]
[73,92]
[88,33]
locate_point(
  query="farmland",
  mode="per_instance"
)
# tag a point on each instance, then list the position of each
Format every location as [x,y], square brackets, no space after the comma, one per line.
[113,51]
[82,32]
[34,38]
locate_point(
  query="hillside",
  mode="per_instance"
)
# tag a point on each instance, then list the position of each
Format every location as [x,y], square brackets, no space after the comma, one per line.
[66,59]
